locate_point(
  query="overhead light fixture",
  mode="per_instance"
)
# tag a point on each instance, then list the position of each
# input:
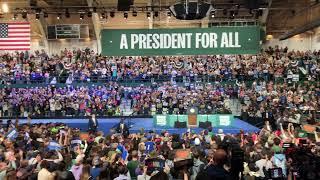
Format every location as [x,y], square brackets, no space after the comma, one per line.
[59,16]
[112,14]
[103,15]
[134,13]
[213,13]
[5,8]
[191,10]
[24,15]
[232,14]
[169,14]
[225,12]
[156,13]
[14,16]
[37,16]
[125,15]
[148,15]
[45,15]
[38,11]
[81,16]
[251,11]
[67,13]
[89,14]
[236,12]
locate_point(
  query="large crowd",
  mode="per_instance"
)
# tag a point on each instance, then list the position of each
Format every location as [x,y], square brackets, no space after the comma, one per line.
[56,151]
[281,149]
[264,99]
[87,66]
[260,101]
[106,100]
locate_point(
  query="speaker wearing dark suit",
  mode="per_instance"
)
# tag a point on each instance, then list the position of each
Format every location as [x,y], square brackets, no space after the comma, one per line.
[93,124]
[122,128]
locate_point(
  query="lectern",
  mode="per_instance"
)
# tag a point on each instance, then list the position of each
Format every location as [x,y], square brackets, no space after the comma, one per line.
[192,117]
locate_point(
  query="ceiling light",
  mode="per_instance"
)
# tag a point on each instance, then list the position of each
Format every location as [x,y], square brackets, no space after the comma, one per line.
[103,15]
[213,13]
[81,16]
[156,14]
[125,15]
[14,16]
[67,13]
[134,13]
[24,15]
[89,14]
[169,14]
[225,12]
[112,14]
[45,15]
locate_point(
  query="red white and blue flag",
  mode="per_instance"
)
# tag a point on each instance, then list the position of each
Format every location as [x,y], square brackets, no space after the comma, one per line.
[15,36]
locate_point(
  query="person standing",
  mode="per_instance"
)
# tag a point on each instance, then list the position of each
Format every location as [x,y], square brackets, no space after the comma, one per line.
[93,124]
[122,128]
[215,169]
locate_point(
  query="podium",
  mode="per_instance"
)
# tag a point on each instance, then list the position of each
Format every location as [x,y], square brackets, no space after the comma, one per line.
[192,120]
[192,117]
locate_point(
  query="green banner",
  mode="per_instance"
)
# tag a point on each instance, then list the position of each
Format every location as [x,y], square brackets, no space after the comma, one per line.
[217,120]
[191,41]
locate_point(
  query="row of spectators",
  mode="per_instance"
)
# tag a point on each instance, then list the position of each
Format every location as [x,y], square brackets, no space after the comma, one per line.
[261,100]
[87,66]
[107,100]
[56,151]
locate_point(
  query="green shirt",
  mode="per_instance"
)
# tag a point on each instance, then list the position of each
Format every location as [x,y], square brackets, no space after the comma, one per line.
[132,166]
[276,149]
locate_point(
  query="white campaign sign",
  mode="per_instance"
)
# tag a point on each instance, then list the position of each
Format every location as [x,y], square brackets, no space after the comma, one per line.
[224,120]
[161,120]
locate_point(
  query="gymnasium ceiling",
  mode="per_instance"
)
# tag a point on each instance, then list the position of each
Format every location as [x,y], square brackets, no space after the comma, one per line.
[281,16]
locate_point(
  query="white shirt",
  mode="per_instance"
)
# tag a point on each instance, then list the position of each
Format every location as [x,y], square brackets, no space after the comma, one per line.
[143,177]
[122,177]
[263,163]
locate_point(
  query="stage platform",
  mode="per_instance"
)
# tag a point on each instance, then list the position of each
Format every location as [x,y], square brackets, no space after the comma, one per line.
[147,123]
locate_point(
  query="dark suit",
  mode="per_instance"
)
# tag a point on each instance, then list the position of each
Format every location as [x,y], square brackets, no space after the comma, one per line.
[93,125]
[122,129]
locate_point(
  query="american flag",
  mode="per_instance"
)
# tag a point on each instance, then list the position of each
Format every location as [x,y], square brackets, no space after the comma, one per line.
[15,36]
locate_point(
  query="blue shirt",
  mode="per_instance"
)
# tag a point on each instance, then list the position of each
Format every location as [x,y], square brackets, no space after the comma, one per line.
[95,172]
[149,146]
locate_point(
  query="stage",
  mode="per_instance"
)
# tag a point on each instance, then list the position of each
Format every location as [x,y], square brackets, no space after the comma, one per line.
[147,124]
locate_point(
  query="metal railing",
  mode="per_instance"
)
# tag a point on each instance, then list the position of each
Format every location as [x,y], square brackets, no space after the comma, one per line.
[9,81]
[61,81]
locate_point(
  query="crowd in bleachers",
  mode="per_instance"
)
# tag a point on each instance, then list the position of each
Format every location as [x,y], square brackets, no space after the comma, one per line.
[106,100]
[260,101]
[265,98]
[56,151]
[87,66]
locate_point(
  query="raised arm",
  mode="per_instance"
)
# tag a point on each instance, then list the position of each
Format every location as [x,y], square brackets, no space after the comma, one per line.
[291,130]
[85,146]
[316,136]
[283,133]
[60,158]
